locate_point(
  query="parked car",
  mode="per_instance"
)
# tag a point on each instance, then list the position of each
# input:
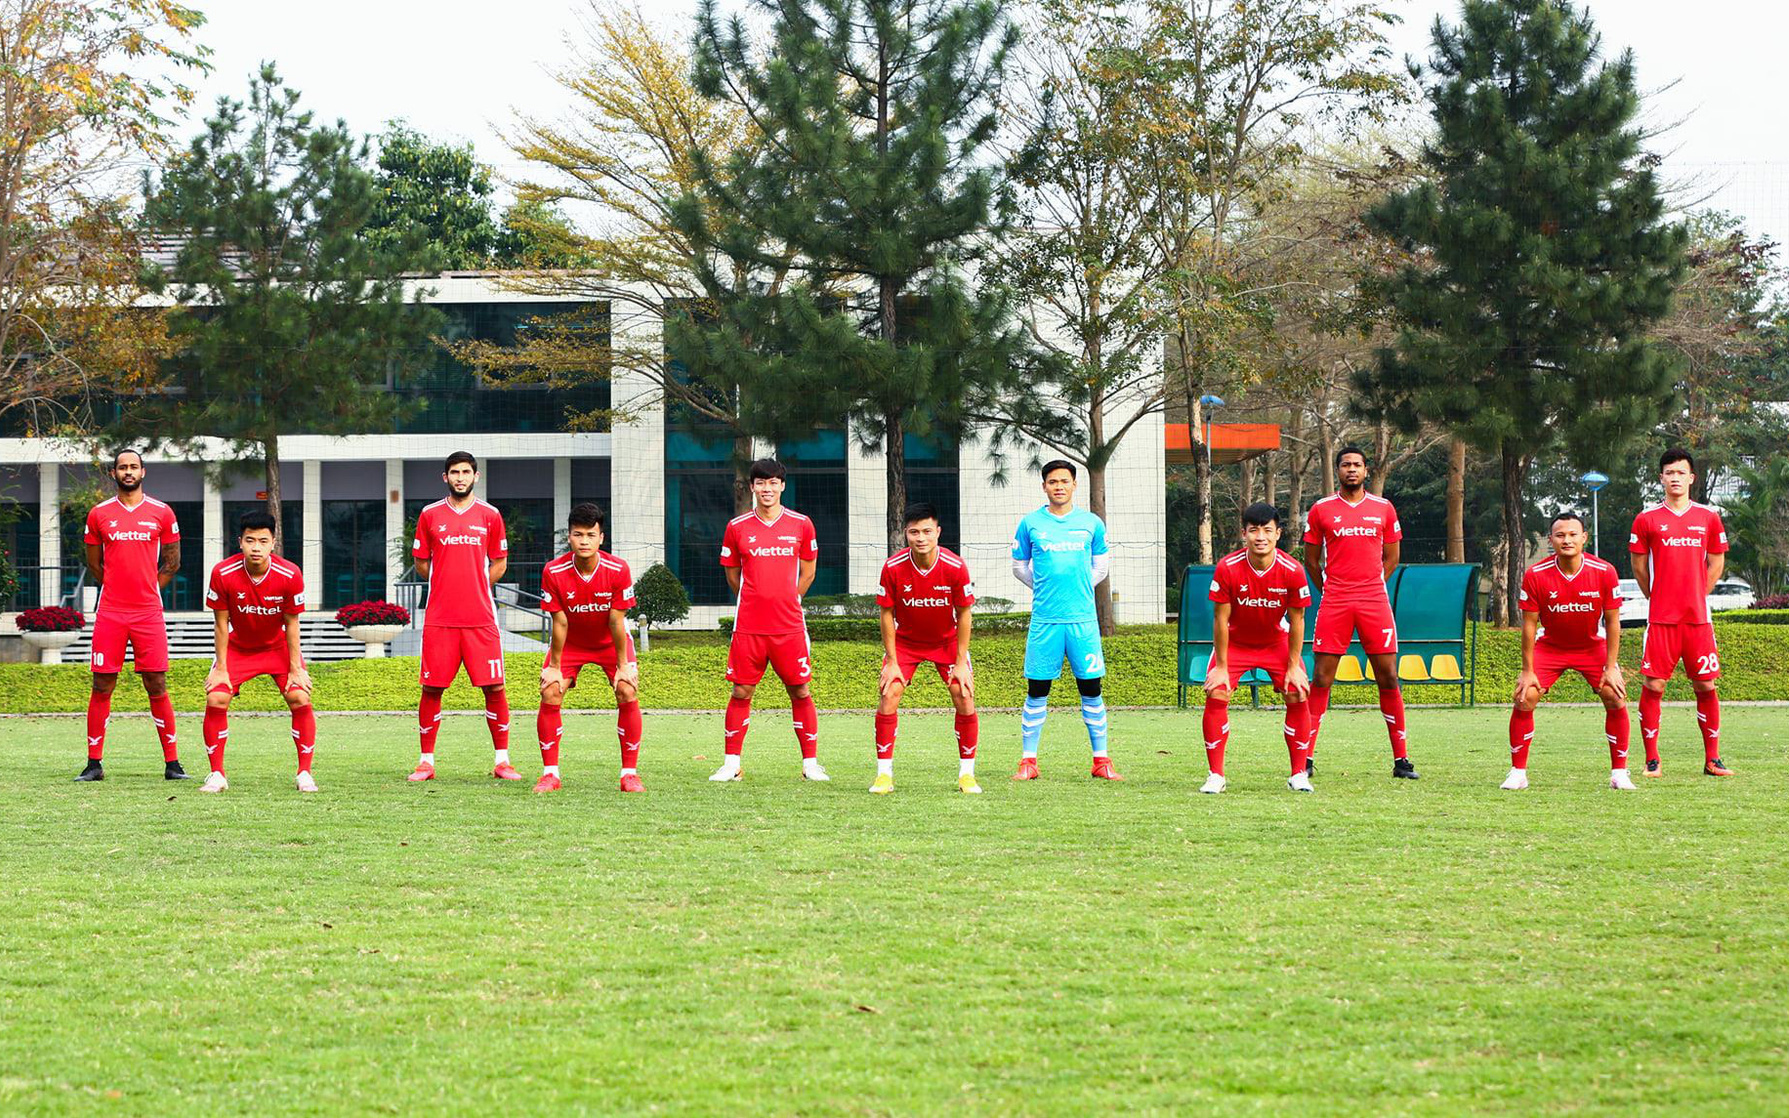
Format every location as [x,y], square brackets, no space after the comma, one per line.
[1729,593]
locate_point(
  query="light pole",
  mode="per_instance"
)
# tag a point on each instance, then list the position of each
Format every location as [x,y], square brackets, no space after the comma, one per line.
[1206,403]
[1206,532]
[1596,481]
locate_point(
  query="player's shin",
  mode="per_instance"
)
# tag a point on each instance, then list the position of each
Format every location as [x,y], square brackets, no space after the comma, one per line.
[739,719]
[161,712]
[1708,720]
[886,725]
[1031,723]
[99,712]
[1391,708]
[629,727]
[1093,715]
[1651,710]
[807,726]
[1298,733]
[1521,736]
[1318,706]
[968,727]
[497,720]
[216,728]
[1615,728]
[549,728]
[304,735]
[1216,725]
[428,724]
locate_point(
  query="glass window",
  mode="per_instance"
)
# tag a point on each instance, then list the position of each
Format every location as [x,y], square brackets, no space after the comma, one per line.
[528,521]
[450,396]
[817,488]
[291,526]
[187,590]
[698,505]
[353,553]
[932,476]
[18,535]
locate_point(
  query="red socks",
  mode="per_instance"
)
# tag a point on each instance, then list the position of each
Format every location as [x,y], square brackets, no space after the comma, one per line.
[1615,728]
[549,727]
[807,726]
[304,734]
[628,727]
[885,735]
[161,712]
[1521,736]
[1708,720]
[1298,733]
[217,735]
[497,718]
[1391,705]
[428,717]
[1318,706]
[739,717]
[99,712]
[1216,723]
[1650,704]
[968,733]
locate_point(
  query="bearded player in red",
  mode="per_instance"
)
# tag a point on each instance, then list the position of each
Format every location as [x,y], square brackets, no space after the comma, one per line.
[462,550]
[256,599]
[1259,598]
[1679,549]
[1571,621]
[588,592]
[926,597]
[1351,547]
[770,555]
[133,550]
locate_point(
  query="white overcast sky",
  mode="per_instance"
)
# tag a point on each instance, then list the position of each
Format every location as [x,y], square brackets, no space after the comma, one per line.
[456,70]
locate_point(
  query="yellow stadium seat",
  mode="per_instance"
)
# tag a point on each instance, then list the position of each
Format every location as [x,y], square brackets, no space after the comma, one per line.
[1348,670]
[1410,666]
[1445,667]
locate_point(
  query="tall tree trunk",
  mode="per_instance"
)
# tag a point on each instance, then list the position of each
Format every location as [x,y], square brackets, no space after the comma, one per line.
[1270,480]
[1499,569]
[1326,446]
[743,454]
[1295,469]
[1456,502]
[1201,473]
[1246,494]
[1381,455]
[1515,466]
[270,459]
[1096,494]
[894,446]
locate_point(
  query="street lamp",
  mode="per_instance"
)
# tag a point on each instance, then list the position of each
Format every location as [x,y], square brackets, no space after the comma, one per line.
[1596,481]
[1206,403]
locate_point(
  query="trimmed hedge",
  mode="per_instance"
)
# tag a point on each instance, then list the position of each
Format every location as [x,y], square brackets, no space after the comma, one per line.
[1139,663]
[1754,616]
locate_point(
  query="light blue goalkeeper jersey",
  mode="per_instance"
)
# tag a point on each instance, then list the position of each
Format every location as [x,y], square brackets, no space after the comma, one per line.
[1061,550]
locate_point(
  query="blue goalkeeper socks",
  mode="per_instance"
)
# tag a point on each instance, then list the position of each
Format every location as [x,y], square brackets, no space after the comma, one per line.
[1093,713]
[1031,724]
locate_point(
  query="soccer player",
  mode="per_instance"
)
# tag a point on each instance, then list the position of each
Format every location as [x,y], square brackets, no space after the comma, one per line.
[1259,597]
[588,593]
[462,550]
[770,555]
[1060,552]
[1571,621]
[1351,547]
[133,550]
[926,596]
[1679,549]
[256,599]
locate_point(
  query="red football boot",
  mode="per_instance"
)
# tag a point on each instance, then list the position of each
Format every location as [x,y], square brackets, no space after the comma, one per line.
[423,772]
[506,771]
[1102,769]
[1027,769]
[631,783]
[547,783]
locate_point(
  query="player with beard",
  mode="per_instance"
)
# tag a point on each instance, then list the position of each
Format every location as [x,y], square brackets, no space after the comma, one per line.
[1351,547]
[133,551]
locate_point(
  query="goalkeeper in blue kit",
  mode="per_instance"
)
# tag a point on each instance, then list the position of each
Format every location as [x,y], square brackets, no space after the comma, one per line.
[1060,552]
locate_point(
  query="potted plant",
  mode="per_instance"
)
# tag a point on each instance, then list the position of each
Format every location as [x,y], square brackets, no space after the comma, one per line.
[50,629]
[373,623]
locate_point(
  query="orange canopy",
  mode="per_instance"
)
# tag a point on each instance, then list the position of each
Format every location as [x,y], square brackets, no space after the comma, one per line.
[1230,442]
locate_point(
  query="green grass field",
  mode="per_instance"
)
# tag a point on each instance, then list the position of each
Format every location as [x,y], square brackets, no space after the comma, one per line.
[775,947]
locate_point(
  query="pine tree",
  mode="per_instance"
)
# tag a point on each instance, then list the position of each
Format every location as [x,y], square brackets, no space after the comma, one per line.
[865,190]
[1541,256]
[289,318]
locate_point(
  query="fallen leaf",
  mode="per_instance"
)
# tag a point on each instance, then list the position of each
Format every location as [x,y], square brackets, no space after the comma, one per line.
[868,1009]
[1164,753]
[327,924]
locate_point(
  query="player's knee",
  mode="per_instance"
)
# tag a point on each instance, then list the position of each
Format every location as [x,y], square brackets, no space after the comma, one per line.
[1218,695]
[625,693]
[742,692]
[104,684]
[493,690]
[218,700]
[1612,699]
[434,692]
[155,684]
[799,691]
[1656,686]
[1089,688]
[553,694]
[1038,688]
[297,699]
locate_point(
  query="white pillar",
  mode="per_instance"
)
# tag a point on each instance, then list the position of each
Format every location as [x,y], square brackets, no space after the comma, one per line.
[313,531]
[217,534]
[49,532]
[866,488]
[637,444]
[394,526]
[561,498]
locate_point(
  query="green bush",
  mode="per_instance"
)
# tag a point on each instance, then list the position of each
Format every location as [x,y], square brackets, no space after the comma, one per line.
[1754,616]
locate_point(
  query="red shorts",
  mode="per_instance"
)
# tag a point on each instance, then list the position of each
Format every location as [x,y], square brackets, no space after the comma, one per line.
[1693,644]
[571,659]
[446,647]
[911,656]
[1273,661]
[787,653]
[1339,618]
[148,637]
[244,666]
[1550,663]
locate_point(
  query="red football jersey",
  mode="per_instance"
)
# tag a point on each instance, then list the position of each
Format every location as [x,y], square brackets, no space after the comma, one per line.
[258,608]
[461,545]
[130,539]
[769,560]
[1571,608]
[925,603]
[1353,539]
[1677,546]
[1259,599]
[586,602]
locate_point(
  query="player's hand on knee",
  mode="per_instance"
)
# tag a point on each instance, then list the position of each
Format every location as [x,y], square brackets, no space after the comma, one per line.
[299,680]
[217,679]
[891,677]
[1217,678]
[1613,684]
[551,677]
